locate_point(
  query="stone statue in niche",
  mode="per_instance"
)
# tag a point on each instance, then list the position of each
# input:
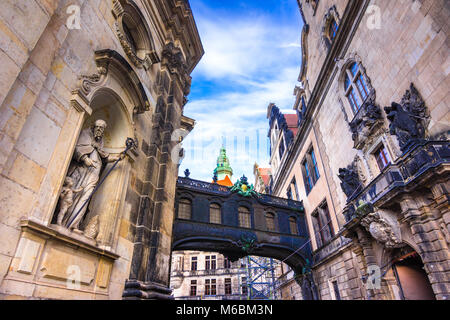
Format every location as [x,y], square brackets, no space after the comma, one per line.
[408,119]
[350,183]
[87,163]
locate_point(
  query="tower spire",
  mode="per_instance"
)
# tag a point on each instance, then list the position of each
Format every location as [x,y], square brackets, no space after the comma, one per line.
[223,171]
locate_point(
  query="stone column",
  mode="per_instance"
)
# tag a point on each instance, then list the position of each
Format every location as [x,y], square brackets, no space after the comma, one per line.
[421,217]
[150,269]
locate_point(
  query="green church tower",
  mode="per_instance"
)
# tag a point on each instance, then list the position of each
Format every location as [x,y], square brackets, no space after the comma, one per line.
[223,168]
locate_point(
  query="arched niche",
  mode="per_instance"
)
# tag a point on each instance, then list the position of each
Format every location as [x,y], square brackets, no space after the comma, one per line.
[108,106]
[116,95]
[108,201]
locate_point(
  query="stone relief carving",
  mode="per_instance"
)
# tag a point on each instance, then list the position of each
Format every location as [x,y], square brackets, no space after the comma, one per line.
[409,119]
[83,176]
[358,165]
[382,230]
[350,182]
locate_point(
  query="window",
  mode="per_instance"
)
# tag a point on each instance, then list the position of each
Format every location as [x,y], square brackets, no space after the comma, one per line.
[307,177]
[215,214]
[193,291]
[310,170]
[314,165]
[244,217]
[336,290]
[323,227]
[194,264]
[294,183]
[228,286]
[289,193]
[332,30]
[129,37]
[184,209]
[293,225]
[244,286]
[281,149]
[210,287]
[226,263]
[180,264]
[210,263]
[382,157]
[270,222]
[134,34]
[356,89]
[213,262]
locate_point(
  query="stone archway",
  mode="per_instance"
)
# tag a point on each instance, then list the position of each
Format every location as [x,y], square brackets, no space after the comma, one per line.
[411,277]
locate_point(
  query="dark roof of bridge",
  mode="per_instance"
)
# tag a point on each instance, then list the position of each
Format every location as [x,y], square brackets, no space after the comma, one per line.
[205,187]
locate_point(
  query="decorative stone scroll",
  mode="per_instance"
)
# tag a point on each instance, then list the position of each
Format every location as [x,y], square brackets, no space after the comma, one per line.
[409,119]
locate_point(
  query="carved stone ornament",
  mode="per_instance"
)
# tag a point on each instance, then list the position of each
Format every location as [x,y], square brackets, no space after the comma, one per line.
[350,182]
[332,14]
[141,52]
[364,124]
[174,61]
[92,228]
[409,119]
[382,230]
[358,165]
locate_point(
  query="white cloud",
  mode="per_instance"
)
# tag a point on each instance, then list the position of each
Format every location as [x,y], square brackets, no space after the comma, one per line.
[260,61]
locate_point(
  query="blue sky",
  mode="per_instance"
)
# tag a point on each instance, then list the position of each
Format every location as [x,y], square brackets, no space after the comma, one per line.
[252,57]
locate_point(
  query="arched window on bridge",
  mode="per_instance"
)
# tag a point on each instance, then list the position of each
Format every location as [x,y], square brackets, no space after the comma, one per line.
[184,209]
[244,218]
[293,225]
[215,214]
[270,222]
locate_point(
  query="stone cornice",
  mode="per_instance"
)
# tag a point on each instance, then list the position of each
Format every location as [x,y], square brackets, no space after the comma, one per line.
[178,19]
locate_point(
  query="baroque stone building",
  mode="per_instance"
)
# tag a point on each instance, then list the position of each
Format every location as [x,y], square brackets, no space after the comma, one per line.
[199,275]
[371,154]
[91,108]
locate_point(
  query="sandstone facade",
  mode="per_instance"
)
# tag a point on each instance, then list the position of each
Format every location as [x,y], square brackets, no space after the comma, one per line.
[65,65]
[400,51]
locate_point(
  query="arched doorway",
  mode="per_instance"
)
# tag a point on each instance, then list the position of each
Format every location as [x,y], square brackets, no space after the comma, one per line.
[411,277]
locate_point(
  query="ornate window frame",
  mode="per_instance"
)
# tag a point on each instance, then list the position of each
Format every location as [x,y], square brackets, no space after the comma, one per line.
[314,4]
[367,120]
[331,15]
[130,23]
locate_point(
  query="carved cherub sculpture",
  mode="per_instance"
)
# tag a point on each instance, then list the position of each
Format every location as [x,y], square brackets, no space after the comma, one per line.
[66,198]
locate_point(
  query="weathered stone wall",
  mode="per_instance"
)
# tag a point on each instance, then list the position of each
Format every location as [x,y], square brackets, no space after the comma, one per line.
[43,107]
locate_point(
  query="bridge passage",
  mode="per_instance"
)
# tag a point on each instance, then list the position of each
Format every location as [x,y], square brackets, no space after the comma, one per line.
[239,222]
